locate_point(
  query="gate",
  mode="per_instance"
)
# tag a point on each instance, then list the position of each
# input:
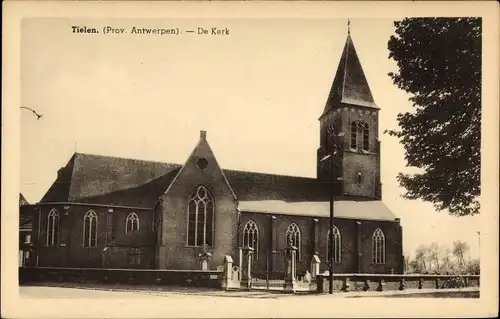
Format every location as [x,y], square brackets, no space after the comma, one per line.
[266,281]
[269,282]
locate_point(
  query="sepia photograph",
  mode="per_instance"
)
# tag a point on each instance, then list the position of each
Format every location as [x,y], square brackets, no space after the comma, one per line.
[252,162]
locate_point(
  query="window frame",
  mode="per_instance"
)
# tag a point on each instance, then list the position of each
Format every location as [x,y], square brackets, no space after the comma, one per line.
[51,239]
[353,145]
[378,247]
[133,219]
[135,255]
[294,229]
[254,233]
[337,244]
[208,213]
[93,219]
[365,134]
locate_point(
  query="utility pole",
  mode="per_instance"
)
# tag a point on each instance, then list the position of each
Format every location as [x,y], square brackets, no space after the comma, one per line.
[479,242]
[330,233]
[335,150]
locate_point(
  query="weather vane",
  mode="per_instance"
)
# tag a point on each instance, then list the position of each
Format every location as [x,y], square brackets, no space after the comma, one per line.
[348,26]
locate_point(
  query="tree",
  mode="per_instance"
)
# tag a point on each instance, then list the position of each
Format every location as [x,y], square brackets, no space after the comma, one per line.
[433,255]
[420,258]
[460,248]
[439,62]
[473,267]
[446,262]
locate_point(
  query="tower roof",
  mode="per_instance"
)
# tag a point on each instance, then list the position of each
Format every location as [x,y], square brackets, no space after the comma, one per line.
[349,85]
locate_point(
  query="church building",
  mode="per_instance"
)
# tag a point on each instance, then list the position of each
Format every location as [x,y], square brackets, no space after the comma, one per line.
[109,212]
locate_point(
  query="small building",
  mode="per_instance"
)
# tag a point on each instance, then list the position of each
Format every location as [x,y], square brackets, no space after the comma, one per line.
[25,229]
[114,212]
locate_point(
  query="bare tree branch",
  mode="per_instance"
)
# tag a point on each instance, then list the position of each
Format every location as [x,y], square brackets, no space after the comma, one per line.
[34,112]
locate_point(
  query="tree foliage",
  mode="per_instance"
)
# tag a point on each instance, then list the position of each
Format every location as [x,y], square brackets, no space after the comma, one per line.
[435,259]
[439,62]
[460,248]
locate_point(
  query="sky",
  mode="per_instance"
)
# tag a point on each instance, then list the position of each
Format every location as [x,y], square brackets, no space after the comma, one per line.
[258,93]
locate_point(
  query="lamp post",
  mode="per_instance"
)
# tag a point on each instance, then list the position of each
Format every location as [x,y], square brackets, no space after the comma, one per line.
[479,242]
[335,151]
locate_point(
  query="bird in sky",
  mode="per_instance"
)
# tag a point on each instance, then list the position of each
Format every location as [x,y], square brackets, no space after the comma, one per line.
[38,116]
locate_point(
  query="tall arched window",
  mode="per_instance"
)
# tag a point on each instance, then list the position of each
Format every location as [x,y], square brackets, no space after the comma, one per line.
[378,247]
[131,223]
[53,228]
[251,237]
[90,229]
[366,136]
[293,235]
[354,135]
[337,246]
[200,218]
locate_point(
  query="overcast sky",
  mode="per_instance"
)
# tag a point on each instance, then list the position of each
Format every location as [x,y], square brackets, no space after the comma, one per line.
[258,92]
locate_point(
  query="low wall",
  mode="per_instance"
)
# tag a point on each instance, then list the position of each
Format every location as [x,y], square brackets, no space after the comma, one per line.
[381,282]
[193,278]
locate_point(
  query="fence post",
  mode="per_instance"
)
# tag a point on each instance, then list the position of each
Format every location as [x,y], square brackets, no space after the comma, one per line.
[420,280]
[345,284]
[290,268]
[401,284]
[227,272]
[380,285]
[267,270]
[319,284]
[366,285]
[437,283]
[247,270]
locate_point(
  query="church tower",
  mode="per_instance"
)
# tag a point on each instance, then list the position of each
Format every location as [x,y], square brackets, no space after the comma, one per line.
[350,114]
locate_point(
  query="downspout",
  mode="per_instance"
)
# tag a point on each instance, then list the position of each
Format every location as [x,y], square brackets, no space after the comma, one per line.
[38,234]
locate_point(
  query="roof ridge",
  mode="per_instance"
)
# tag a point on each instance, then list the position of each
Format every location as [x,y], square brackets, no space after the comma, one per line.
[126,158]
[273,174]
[169,163]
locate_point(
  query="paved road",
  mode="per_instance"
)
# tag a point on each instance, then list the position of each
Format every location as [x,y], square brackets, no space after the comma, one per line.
[73,302]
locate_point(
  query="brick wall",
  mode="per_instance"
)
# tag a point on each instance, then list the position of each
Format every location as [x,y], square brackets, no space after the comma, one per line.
[174,253]
[356,242]
[209,279]
[70,251]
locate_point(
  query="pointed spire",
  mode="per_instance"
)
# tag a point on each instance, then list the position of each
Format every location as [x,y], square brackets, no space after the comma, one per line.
[349,85]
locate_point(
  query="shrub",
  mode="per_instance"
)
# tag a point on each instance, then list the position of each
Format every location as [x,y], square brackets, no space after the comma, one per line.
[454,282]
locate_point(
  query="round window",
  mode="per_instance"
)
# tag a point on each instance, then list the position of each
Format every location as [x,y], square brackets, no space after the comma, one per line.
[202,163]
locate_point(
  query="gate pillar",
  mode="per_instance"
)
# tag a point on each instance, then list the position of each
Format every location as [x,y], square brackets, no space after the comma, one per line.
[315,262]
[246,268]
[290,268]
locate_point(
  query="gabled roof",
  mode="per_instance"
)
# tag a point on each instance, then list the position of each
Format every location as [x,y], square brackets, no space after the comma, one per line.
[22,200]
[263,186]
[349,85]
[203,150]
[117,181]
[106,179]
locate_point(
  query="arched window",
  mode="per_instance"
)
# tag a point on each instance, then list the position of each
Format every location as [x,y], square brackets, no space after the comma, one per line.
[53,228]
[366,136]
[131,223]
[90,229]
[293,236]
[200,218]
[251,237]
[337,246]
[354,135]
[378,247]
